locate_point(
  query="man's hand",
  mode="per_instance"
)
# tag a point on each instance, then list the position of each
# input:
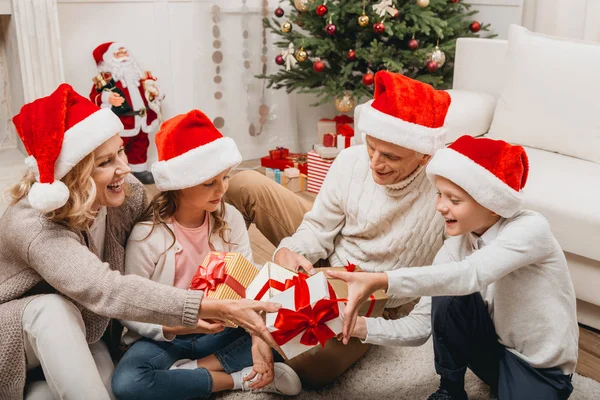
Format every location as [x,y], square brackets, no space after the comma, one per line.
[263,366]
[360,286]
[294,261]
[115,99]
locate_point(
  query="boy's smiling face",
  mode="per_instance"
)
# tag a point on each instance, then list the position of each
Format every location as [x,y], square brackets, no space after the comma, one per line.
[461,212]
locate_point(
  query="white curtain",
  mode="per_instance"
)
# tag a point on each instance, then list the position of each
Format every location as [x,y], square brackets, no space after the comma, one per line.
[576,19]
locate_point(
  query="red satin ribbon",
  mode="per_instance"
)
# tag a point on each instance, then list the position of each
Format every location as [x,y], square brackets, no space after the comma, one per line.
[215,273]
[306,318]
[351,268]
[272,283]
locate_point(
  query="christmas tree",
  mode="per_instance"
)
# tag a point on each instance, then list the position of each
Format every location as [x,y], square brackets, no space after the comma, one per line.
[333,48]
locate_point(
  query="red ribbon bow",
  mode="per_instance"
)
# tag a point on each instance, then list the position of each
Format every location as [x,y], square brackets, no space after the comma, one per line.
[215,273]
[306,318]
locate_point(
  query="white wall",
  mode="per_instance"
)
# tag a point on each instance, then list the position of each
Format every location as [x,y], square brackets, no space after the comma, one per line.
[161,36]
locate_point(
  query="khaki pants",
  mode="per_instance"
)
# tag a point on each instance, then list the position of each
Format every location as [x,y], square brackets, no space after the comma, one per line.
[54,335]
[277,213]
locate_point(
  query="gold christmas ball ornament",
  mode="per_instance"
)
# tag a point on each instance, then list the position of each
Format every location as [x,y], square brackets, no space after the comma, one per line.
[363,20]
[302,5]
[345,102]
[301,55]
[286,27]
[422,3]
[438,56]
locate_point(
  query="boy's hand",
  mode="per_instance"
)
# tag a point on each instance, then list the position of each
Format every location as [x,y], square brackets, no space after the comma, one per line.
[263,366]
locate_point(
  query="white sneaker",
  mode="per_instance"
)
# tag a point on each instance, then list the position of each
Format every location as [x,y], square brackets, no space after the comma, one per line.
[286,382]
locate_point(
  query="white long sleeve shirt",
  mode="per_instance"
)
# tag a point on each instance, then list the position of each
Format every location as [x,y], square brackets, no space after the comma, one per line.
[379,228]
[522,274]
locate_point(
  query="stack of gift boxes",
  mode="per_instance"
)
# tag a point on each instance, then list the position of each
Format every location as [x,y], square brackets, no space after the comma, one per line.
[285,168]
[312,307]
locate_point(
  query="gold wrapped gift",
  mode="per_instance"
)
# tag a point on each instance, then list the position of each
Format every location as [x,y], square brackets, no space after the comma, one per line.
[224,276]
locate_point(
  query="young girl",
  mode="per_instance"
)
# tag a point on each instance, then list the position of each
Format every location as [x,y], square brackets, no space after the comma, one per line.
[504,303]
[184,222]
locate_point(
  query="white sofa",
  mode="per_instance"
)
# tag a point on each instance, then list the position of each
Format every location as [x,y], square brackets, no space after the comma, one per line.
[565,189]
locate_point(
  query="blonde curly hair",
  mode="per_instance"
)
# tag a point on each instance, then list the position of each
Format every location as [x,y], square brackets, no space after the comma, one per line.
[163,206]
[77,213]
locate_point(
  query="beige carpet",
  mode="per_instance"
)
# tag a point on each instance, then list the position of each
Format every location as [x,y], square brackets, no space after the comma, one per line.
[403,373]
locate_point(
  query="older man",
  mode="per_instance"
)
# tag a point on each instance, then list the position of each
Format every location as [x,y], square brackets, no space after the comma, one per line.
[375,209]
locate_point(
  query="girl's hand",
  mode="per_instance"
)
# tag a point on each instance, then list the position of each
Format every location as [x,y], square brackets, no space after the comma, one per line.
[263,366]
[360,286]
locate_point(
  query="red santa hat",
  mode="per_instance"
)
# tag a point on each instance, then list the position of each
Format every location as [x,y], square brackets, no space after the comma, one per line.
[405,112]
[58,131]
[492,171]
[105,52]
[191,151]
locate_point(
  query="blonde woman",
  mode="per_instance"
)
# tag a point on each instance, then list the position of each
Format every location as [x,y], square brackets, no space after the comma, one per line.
[62,252]
[183,223]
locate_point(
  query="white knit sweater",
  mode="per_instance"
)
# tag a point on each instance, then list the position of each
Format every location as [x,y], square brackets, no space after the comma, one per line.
[379,228]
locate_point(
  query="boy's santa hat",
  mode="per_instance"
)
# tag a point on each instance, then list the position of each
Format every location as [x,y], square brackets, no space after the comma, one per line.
[492,171]
[58,131]
[191,151]
[405,112]
[105,52]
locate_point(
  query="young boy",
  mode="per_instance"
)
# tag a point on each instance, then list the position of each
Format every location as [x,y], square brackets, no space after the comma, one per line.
[503,302]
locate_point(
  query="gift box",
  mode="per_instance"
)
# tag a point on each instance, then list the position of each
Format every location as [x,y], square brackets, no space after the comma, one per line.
[294,160]
[279,153]
[293,180]
[333,127]
[345,138]
[317,170]
[224,276]
[271,280]
[310,315]
[329,140]
[373,307]
[326,152]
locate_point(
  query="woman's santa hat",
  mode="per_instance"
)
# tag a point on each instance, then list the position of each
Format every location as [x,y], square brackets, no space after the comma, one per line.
[58,131]
[191,151]
[492,171]
[105,52]
[405,112]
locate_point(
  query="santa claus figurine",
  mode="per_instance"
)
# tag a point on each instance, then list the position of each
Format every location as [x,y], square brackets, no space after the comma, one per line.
[134,96]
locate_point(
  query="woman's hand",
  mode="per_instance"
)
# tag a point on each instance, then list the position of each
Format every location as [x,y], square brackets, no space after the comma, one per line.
[205,327]
[263,366]
[245,313]
[360,286]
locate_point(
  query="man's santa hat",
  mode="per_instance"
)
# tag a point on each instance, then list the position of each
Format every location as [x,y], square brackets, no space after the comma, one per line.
[105,52]
[405,112]
[58,131]
[492,171]
[191,151]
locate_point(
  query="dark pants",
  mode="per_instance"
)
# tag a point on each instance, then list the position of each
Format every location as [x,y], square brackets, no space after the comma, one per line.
[464,337]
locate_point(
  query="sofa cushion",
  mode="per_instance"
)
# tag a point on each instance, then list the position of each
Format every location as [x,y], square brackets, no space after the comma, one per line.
[566,191]
[470,113]
[550,98]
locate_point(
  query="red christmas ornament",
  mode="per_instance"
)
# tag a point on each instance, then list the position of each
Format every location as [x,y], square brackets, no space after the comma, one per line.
[330,29]
[432,66]
[321,10]
[279,12]
[475,26]
[351,55]
[279,59]
[413,44]
[318,66]
[378,27]
[368,79]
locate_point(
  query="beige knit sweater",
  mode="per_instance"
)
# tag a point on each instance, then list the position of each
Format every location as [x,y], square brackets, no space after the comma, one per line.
[39,256]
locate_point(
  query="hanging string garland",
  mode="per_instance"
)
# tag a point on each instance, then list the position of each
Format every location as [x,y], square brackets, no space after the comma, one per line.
[217,58]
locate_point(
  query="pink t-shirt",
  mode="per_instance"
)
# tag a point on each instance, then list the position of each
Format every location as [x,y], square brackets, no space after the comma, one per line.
[194,248]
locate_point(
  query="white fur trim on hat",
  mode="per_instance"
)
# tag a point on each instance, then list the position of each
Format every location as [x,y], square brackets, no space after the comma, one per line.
[197,165]
[485,187]
[47,197]
[84,137]
[394,130]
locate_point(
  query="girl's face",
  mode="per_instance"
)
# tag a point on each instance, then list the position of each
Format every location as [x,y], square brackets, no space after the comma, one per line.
[109,173]
[461,212]
[207,195]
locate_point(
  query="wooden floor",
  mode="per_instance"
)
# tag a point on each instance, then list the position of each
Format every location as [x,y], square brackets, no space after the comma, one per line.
[589,340]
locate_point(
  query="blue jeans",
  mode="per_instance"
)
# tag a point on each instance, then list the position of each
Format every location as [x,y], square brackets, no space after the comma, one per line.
[143,372]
